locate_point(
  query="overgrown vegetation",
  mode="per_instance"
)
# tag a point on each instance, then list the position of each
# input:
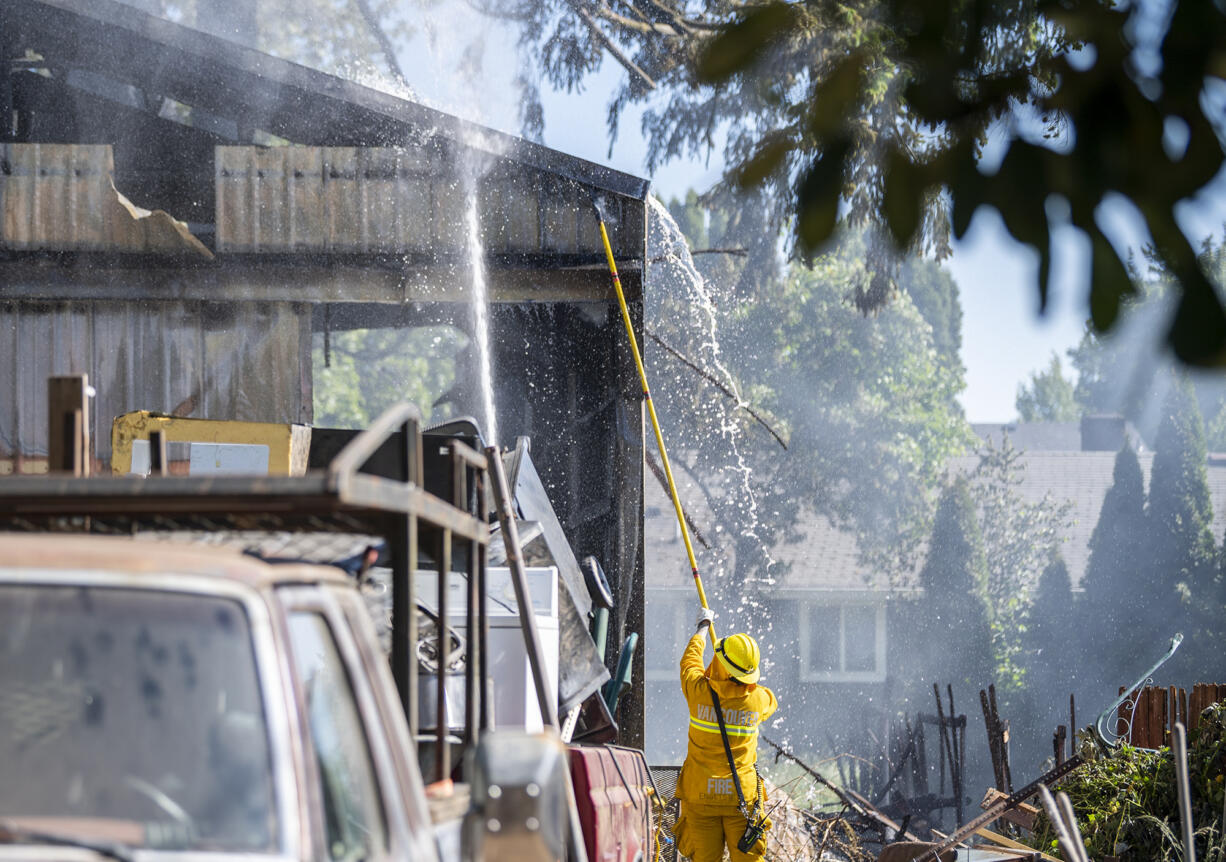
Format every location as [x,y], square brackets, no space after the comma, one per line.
[1126,805]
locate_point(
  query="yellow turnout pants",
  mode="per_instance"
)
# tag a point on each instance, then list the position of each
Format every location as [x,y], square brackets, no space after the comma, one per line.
[702,831]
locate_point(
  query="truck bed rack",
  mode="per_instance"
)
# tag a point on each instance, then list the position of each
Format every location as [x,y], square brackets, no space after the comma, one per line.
[340,499]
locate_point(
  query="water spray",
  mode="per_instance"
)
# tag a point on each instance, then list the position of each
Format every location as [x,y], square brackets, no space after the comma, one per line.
[651,410]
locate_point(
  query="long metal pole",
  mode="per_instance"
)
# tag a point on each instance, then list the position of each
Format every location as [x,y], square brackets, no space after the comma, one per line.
[442,745]
[651,411]
[470,612]
[1183,786]
[515,562]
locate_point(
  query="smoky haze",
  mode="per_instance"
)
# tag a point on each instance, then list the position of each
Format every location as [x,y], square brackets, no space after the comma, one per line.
[889,549]
[832,550]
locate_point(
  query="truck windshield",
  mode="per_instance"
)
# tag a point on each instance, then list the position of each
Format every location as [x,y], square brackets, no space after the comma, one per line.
[133,715]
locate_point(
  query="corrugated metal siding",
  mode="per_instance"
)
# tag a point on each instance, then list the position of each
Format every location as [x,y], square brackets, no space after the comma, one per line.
[399,201]
[338,199]
[62,197]
[206,360]
[55,195]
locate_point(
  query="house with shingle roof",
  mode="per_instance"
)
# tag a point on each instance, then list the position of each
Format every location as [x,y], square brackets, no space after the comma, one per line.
[826,618]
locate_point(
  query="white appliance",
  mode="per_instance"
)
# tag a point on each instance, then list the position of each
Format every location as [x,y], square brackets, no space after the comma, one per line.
[514,695]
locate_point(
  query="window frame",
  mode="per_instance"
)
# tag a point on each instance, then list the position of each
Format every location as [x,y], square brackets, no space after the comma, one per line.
[810,674]
[317,601]
[679,610]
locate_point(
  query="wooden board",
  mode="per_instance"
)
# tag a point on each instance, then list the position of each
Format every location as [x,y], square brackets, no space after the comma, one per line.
[1023,815]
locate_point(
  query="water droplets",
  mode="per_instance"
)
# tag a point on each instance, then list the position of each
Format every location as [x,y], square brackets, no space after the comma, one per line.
[671,262]
[481,317]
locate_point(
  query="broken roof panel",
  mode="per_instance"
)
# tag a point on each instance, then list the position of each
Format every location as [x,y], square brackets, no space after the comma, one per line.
[244,89]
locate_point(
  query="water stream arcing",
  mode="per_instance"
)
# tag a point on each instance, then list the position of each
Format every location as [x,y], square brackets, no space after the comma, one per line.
[668,248]
[481,318]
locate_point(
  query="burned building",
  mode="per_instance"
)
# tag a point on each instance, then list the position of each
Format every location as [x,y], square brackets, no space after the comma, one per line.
[192,223]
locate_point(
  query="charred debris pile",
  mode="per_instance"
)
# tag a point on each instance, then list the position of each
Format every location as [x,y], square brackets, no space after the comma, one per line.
[1120,778]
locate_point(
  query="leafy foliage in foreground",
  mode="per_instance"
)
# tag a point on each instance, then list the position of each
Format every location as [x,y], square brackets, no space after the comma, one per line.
[1125,800]
[1089,99]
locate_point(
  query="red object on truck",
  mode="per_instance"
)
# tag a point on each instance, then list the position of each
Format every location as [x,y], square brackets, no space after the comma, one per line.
[613,793]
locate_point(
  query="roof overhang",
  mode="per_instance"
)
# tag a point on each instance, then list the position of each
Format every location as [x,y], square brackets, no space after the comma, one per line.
[259,91]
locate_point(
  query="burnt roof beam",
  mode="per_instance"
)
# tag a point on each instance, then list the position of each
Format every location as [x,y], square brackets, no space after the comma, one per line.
[288,100]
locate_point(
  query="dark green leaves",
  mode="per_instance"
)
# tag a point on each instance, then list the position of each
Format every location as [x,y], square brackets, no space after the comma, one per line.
[863,109]
[1198,332]
[764,162]
[1109,282]
[1019,191]
[904,195]
[818,196]
[741,43]
[837,97]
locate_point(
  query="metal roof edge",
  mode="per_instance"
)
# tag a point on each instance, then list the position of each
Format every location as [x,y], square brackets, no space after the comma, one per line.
[211,50]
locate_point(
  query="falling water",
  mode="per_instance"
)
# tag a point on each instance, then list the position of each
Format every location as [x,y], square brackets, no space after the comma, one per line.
[670,249]
[481,318]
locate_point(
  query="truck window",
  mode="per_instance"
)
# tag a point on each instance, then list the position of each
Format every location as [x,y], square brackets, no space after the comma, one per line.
[353,810]
[134,707]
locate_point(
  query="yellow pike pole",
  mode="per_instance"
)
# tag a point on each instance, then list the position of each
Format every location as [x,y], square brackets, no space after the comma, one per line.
[651,410]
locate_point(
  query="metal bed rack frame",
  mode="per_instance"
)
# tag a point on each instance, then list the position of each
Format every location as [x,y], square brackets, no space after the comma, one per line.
[340,499]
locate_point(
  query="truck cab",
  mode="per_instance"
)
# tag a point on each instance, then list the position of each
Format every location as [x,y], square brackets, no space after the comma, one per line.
[165,701]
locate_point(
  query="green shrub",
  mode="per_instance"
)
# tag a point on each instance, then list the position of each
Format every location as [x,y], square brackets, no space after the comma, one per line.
[1126,804]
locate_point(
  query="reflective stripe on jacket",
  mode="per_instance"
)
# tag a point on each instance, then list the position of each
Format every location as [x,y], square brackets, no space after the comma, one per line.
[705,777]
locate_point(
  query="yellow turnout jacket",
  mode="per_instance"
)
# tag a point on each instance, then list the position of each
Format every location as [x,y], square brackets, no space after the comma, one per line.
[705,777]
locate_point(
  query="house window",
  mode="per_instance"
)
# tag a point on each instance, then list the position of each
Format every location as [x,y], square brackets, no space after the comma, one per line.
[842,642]
[668,624]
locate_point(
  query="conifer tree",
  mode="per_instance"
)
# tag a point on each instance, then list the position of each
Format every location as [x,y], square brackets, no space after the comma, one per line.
[1051,640]
[1180,586]
[951,636]
[1115,576]
[1113,570]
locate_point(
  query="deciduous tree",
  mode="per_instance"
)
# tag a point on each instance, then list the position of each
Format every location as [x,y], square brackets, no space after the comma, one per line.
[867,405]
[1020,538]
[1048,397]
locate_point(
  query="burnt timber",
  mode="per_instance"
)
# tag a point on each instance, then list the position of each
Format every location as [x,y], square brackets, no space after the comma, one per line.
[177,120]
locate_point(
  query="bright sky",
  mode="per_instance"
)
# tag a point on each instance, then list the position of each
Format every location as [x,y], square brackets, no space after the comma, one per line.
[1004,339]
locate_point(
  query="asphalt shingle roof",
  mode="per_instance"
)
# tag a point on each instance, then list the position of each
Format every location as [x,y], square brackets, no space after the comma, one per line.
[826,558]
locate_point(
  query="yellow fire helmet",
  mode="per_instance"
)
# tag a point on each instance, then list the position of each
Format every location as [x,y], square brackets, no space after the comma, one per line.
[739,655]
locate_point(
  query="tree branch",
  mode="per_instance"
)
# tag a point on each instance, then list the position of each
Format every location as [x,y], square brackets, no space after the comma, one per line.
[683,29]
[717,383]
[385,43]
[611,46]
[658,472]
[735,252]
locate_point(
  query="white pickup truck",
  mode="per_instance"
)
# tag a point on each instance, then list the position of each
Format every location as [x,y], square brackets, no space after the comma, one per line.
[176,702]
[167,702]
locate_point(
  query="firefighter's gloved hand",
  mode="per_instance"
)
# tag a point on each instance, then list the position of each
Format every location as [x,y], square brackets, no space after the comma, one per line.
[706,616]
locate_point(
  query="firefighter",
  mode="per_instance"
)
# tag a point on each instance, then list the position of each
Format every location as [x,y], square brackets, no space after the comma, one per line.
[712,812]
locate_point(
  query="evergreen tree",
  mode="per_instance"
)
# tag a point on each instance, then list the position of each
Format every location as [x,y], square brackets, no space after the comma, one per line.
[950,632]
[1115,577]
[1180,550]
[1113,570]
[1051,641]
